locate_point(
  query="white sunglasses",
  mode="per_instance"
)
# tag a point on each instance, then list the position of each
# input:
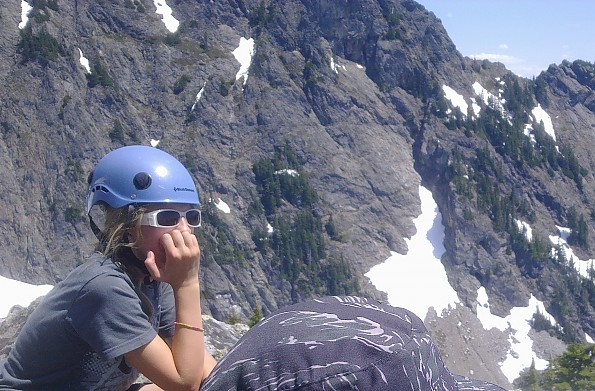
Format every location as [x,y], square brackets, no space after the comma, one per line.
[169,218]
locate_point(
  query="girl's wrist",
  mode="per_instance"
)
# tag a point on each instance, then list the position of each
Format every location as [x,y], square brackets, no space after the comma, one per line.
[191,284]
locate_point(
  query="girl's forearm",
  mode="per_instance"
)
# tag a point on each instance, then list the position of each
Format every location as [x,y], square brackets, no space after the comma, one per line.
[188,341]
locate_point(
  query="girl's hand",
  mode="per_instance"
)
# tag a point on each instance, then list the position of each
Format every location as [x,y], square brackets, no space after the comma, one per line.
[181,263]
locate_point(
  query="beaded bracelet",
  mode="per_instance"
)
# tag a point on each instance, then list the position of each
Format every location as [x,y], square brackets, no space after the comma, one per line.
[187,326]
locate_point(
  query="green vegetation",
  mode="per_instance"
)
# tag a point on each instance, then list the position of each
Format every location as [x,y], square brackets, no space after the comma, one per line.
[255,318]
[233,319]
[40,46]
[504,130]
[481,185]
[393,20]
[311,74]
[181,83]
[40,12]
[67,98]
[172,39]
[540,88]
[573,370]
[277,182]
[74,170]
[542,323]
[99,76]
[217,241]
[262,15]
[74,214]
[478,177]
[299,239]
[225,87]
[116,134]
[579,229]
[135,4]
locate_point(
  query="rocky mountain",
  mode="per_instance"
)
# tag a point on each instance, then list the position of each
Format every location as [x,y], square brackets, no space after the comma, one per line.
[353,96]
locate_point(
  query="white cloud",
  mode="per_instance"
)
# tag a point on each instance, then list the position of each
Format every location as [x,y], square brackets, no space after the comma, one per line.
[495,57]
[517,65]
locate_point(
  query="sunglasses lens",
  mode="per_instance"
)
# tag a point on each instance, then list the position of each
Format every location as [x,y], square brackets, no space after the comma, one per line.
[168,218]
[193,217]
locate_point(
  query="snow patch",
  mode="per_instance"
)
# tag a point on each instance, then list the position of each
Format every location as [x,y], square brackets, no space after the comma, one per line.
[222,206]
[243,53]
[455,99]
[84,61]
[163,9]
[25,12]
[198,96]
[14,292]
[540,115]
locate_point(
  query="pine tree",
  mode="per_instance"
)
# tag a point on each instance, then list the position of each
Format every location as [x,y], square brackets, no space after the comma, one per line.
[573,370]
[255,318]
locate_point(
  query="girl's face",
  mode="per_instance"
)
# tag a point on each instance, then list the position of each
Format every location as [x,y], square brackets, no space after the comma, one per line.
[147,238]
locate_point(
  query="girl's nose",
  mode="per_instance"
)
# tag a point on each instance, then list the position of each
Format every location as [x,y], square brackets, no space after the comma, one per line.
[183,225]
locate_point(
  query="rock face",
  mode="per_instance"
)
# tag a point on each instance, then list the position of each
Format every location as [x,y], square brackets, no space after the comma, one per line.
[12,324]
[355,89]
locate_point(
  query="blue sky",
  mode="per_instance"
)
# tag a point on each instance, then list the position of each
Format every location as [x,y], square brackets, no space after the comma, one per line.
[525,35]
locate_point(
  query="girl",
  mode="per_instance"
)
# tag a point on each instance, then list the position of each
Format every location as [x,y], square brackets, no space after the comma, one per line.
[134,306]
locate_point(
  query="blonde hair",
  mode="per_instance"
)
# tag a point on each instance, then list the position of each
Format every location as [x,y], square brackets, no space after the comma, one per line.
[118,223]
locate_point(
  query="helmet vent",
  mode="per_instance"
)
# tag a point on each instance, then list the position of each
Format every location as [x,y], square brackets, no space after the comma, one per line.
[102,188]
[142,181]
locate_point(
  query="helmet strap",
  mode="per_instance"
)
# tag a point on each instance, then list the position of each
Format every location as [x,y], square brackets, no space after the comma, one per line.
[127,251]
[100,236]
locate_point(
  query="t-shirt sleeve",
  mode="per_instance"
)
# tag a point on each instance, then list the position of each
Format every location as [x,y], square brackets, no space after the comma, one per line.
[168,311]
[107,315]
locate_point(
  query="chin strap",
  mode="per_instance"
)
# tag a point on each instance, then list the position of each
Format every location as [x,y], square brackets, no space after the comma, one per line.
[98,234]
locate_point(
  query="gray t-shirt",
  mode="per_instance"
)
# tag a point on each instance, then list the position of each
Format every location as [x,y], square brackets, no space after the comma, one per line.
[76,338]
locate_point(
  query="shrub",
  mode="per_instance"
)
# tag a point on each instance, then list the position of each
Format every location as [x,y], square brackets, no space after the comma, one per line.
[42,47]
[98,76]
[181,83]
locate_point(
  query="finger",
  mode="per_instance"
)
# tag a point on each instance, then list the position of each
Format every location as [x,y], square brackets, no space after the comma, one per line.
[177,238]
[180,244]
[151,265]
[173,244]
[167,242]
[192,245]
[190,239]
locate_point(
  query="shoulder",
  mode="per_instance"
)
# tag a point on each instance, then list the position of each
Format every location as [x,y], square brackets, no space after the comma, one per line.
[98,279]
[99,268]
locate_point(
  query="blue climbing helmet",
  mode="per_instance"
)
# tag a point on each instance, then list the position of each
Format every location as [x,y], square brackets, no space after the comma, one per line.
[139,174]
